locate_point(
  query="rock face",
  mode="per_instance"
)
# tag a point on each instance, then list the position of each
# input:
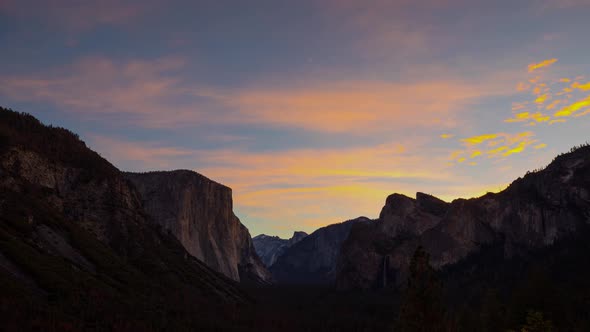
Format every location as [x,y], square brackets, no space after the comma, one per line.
[269,248]
[58,198]
[313,259]
[199,213]
[533,212]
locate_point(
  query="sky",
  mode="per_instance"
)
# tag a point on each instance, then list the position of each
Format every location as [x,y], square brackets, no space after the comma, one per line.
[312,111]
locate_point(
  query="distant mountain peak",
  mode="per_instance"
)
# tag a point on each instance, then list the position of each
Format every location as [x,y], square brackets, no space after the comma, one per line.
[270,248]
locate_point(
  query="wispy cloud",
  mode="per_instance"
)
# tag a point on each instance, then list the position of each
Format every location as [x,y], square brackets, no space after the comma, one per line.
[74,16]
[478,139]
[551,100]
[573,108]
[545,63]
[155,93]
[356,106]
[496,145]
[579,86]
[527,117]
[145,93]
[311,186]
[563,4]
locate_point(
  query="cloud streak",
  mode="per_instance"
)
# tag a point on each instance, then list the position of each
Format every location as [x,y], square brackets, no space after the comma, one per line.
[545,63]
[155,94]
[496,145]
[331,184]
[77,16]
[356,106]
[145,93]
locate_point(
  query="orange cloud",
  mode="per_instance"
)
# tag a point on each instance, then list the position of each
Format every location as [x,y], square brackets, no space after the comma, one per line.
[553,104]
[355,106]
[303,185]
[143,93]
[148,94]
[522,86]
[519,106]
[545,63]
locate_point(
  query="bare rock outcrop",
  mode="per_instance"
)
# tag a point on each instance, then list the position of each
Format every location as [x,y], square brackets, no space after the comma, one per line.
[270,248]
[313,259]
[534,212]
[199,213]
[58,198]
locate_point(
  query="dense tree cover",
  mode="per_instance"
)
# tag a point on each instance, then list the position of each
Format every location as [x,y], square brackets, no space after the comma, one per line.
[54,143]
[122,294]
[487,292]
[422,307]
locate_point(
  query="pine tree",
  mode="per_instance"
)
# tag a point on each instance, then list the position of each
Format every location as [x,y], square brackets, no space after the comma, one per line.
[421,309]
[535,322]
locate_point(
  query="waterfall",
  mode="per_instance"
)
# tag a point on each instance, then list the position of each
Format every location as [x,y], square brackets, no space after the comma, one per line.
[385,267]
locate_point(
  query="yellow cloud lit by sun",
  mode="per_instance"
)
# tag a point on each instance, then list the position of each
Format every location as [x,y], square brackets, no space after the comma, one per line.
[526,117]
[583,87]
[541,99]
[572,108]
[475,154]
[497,150]
[446,136]
[494,145]
[568,99]
[545,63]
[518,149]
[479,139]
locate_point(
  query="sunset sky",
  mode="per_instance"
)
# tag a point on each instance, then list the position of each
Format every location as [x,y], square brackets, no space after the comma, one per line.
[312,111]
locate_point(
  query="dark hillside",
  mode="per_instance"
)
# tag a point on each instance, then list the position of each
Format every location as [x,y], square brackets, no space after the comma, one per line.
[77,251]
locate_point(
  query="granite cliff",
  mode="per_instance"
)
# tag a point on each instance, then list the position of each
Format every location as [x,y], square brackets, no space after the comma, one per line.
[270,248]
[313,259]
[534,212]
[199,213]
[72,224]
